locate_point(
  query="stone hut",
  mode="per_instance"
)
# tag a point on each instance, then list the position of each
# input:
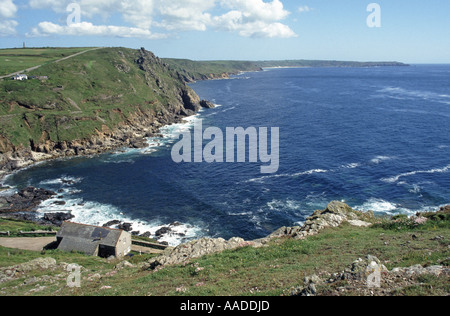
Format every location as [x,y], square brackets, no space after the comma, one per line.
[93,240]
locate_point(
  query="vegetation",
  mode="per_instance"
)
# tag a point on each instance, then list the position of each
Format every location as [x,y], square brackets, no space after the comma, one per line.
[270,271]
[16,226]
[82,95]
[12,60]
[202,70]
[98,89]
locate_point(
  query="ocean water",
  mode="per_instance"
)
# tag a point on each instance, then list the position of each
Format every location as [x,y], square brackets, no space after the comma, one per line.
[375,138]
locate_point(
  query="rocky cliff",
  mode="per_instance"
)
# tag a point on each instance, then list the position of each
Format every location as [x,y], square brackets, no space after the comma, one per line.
[102,100]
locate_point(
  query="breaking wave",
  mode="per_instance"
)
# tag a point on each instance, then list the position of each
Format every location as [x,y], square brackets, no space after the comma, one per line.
[412,173]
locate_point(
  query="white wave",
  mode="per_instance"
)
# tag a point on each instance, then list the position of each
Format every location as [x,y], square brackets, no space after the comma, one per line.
[380,159]
[239,214]
[381,206]
[416,189]
[404,94]
[8,191]
[65,181]
[351,166]
[412,173]
[287,175]
[172,132]
[277,205]
[98,214]
[229,109]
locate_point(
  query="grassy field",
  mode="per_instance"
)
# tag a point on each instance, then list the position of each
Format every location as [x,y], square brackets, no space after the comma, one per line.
[12,60]
[271,271]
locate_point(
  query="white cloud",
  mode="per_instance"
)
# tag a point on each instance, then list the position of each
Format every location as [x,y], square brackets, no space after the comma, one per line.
[254,18]
[8,27]
[304,9]
[89,29]
[185,15]
[258,10]
[8,11]
[250,18]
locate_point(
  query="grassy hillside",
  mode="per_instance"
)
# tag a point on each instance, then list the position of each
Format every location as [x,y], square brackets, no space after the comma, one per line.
[273,270]
[92,92]
[203,70]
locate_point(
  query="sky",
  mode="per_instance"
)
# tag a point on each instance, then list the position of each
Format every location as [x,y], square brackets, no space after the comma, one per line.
[410,31]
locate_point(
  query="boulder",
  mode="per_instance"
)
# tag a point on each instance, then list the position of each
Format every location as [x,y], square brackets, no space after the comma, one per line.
[163,231]
[112,223]
[126,227]
[207,104]
[58,218]
[195,249]
[309,287]
[26,199]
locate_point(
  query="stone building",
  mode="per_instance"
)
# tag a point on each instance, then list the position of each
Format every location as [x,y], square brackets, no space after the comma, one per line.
[93,240]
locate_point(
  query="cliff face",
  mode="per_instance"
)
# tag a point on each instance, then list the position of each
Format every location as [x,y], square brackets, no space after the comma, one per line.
[105,99]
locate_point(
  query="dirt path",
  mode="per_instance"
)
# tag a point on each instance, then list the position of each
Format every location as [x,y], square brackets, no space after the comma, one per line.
[56,61]
[33,244]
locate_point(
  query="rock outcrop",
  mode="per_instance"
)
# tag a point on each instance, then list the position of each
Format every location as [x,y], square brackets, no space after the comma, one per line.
[171,101]
[25,200]
[333,216]
[195,249]
[366,277]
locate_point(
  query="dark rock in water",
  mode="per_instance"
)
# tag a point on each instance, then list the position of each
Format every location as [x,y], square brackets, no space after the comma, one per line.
[112,223]
[146,234]
[60,203]
[186,112]
[207,104]
[58,218]
[126,227]
[25,200]
[163,231]
[138,143]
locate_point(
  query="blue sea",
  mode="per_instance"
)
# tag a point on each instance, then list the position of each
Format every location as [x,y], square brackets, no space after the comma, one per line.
[375,138]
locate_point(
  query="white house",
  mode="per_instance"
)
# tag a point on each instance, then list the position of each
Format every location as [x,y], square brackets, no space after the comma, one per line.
[20,77]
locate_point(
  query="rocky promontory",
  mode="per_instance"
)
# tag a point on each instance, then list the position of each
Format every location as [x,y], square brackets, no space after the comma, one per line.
[149,95]
[334,215]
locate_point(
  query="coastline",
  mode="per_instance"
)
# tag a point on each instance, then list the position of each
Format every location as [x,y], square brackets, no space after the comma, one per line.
[44,208]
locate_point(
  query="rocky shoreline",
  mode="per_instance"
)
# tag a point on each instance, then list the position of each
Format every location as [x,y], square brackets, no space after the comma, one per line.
[133,135]
[334,215]
[183,102]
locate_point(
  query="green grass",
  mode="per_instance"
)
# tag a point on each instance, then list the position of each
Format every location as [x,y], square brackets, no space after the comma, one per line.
[16,226]
[13,60]
[202,70]
[82,95]
[274,270]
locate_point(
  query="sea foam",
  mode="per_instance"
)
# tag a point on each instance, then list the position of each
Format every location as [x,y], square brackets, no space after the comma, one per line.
[412,173]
